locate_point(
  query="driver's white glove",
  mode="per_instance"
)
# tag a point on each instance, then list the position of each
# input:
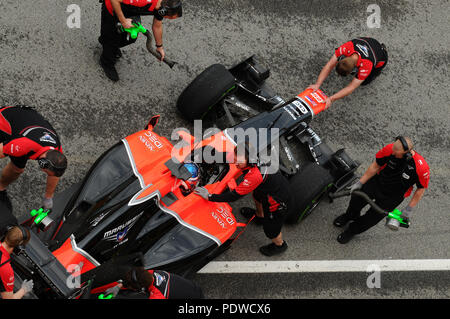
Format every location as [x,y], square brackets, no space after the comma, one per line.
[47,203]
[27,286]
[356,186]
[203,192]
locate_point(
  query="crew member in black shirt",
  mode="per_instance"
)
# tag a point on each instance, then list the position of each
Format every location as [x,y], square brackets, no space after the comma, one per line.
[124,12]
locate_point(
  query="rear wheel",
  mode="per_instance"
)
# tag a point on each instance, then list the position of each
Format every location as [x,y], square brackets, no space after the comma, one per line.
[309,185]
[205,91]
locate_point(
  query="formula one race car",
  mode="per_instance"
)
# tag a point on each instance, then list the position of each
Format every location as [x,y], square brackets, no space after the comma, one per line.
[239,99]
[136,205]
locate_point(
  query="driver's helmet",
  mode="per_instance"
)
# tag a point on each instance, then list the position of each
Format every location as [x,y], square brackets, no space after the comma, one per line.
[194,170]
[189,185]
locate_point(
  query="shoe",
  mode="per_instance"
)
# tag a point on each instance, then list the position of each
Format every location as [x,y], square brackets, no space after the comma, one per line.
[5,199]
[118,54]
[248,213]
[345,237]
[110,71]
[341,220]
[272,249]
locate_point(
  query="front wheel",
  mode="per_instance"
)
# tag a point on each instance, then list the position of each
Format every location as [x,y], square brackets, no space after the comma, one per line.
[308,185]
[207,89]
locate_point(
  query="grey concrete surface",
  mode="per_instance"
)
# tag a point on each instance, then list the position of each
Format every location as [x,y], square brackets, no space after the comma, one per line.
[394,285]
[45,64]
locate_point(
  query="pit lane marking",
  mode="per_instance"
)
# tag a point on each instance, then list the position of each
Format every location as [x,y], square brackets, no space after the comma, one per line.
[320,266]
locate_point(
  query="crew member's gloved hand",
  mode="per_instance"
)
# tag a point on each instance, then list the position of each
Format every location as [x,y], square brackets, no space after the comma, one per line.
[113,290]
[407,212]
[203,192]
[27,286]
[356,186]
[47,203]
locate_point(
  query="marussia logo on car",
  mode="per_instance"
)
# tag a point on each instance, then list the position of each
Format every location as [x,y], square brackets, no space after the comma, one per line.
[118,233]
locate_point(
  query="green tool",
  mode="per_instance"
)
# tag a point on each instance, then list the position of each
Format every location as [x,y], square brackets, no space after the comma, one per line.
[139,28]
[134,32]
[397,215]
[109,296]
[41,219]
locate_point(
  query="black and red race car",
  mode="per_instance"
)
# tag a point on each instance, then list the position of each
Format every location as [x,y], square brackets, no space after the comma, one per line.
[132,207]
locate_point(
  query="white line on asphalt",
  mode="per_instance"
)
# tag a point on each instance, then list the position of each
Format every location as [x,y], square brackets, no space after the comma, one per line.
[319,266]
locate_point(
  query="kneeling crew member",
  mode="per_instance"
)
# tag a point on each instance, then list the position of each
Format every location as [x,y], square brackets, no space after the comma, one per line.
[363,57]
[16,236]
[270,191]
[123,11]
[388,180]
[24,135]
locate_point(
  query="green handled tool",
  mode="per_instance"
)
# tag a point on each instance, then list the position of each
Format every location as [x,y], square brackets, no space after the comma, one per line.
[395,219]
[41,219]
[139,28]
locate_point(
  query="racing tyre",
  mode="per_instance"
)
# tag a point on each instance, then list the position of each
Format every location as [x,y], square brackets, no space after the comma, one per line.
[205,91]
[308,185]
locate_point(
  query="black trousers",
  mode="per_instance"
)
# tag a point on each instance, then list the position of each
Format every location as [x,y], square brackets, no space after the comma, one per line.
[110,38]
[386,201]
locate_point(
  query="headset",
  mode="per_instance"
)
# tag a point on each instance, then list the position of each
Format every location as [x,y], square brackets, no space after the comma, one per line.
[25,234]
[175,9]
[44,163]
[408,155]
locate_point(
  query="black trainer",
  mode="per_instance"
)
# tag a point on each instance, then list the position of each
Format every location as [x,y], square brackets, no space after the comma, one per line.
[5,199]
[248,213]
[341,220]
[272,249]
[110,71]
[118,54]
[345,237]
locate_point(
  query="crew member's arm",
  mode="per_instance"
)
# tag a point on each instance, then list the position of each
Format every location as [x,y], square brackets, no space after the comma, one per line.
[7,281]
[251,181]
[11,295]
[2,155]
[423,172]
[373,169]
[10,173]
[52,182]
[418,194]
[326,70]
[353,85]
[126,23]
[157,29]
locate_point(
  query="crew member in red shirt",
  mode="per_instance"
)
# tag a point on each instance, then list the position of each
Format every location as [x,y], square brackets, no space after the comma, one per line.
[124,12]
[388,180]
[16,236]
[364,57]
[24,135]
[157,284]
[271,193]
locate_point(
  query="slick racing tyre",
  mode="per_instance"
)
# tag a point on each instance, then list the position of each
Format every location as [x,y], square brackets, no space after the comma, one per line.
[205,91]
[308,185]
